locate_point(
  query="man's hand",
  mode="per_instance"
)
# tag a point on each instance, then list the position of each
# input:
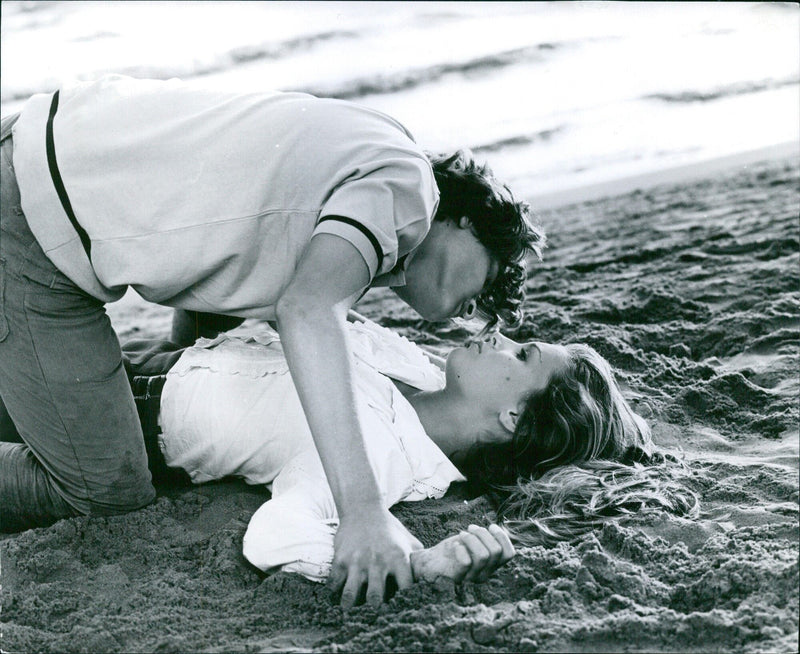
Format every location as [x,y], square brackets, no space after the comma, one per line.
[370,547]
[471,555]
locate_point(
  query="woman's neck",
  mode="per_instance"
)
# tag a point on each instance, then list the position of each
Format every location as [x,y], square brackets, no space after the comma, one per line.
[444,420]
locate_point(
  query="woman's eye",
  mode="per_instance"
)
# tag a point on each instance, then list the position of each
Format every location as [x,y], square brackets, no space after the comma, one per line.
[522,355]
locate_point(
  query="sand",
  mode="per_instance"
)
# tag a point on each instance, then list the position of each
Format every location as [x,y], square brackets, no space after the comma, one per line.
[692,291]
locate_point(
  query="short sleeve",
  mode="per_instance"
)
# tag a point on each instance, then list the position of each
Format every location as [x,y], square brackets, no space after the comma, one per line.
[383,208]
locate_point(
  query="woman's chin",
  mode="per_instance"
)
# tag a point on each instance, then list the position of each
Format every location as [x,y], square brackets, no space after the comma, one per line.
[455,356]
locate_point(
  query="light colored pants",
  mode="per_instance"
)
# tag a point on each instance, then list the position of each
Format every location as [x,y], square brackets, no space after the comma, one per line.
[64,386]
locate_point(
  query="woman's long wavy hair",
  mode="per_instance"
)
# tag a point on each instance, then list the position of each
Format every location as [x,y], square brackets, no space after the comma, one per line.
[579,456]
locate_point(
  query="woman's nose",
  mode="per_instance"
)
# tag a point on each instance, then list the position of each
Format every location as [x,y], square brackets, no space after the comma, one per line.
[501,342]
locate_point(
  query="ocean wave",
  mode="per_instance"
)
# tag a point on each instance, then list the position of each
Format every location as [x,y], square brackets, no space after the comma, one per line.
[35,14]
[345,89]
[409,79]
[284,48]
[193,68]
[241,55]
[518,141]
[726,91]
[95,36]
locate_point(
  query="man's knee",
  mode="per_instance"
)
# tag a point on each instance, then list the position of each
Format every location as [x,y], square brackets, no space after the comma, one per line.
[120,494]
[106,501]
[115,483]
[124,503]
[32,497]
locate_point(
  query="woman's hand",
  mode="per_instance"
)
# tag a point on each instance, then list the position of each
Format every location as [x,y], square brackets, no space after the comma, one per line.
[471,555]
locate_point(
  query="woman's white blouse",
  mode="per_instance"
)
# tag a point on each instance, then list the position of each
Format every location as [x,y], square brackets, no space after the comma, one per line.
[229,407]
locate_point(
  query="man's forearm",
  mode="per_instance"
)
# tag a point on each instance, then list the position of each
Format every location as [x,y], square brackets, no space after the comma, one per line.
[370,544]
[318,353]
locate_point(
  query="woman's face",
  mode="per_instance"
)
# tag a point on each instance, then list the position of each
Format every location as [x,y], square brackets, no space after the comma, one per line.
[498,373]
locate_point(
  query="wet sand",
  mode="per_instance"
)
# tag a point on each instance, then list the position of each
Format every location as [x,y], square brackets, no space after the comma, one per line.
[692,291]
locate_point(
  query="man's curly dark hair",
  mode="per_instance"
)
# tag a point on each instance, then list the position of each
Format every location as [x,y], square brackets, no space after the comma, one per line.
[504,226]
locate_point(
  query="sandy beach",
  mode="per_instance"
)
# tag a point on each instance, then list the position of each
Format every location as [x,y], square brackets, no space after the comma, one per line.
[691,291]
[660,145]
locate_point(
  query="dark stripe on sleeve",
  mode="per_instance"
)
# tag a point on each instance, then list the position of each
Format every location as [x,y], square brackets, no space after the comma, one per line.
[58,182]
[370,236]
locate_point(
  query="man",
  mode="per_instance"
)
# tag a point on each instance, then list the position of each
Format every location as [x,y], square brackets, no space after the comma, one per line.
[278,206]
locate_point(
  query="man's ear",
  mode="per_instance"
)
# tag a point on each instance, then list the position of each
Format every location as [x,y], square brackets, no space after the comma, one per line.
[464,222]
[509,419]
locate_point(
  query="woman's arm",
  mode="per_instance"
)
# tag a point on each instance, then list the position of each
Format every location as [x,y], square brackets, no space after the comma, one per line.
[296,529]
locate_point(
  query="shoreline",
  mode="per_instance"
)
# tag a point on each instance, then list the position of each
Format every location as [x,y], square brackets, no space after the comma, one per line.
[664,176]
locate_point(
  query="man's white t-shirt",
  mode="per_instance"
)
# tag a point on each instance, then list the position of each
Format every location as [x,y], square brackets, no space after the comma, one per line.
[204,199]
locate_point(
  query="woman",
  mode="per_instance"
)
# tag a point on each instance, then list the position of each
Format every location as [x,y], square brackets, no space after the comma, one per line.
[227,406]
[542,428]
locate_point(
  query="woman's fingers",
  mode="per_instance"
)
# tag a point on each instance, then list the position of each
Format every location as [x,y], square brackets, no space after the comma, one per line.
[488,549]
[478,554]
[492,545]
[462,556]
[501,537]
[506,552]
[486,559]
